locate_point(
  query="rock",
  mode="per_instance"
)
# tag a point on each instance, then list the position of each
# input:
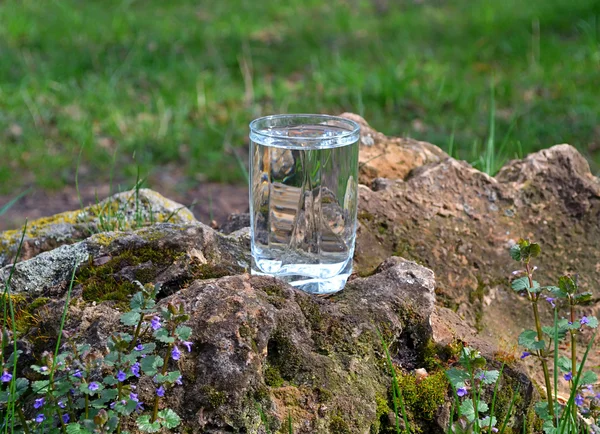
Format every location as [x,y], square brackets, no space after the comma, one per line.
[391,157]
[460,223]
[121,211]
[166,253]
[256,340]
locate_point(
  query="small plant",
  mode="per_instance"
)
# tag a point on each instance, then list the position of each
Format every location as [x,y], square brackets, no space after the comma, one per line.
[468,381]
[543,342]
[82,390]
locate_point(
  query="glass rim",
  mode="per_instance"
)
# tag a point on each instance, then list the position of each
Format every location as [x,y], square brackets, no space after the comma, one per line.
[353,130]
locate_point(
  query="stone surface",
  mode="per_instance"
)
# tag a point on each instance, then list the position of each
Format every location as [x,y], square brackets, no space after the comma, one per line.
[391,157]
[256,340]
[121,211]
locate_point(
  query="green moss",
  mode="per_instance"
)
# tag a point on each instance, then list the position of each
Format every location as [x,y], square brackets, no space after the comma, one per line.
[210,271]
[323,395]
[382,228]
[435,356]
[381,415]
[424,397]
[366,216]
[215,397]
[102,283]
[337,425]
[283,355]
[37,303]
[273,377]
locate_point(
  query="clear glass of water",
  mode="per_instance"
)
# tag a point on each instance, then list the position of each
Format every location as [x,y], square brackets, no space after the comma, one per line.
[303,199]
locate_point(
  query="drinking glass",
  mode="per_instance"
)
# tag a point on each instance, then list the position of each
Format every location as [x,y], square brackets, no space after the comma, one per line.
[303,199]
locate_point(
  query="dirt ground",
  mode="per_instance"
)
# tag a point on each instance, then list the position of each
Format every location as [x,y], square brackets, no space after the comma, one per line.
[208,201]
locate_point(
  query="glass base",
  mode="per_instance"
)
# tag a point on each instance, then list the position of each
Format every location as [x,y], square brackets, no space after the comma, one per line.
[312,285]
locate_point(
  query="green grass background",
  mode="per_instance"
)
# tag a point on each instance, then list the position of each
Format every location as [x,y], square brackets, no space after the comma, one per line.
[153,82]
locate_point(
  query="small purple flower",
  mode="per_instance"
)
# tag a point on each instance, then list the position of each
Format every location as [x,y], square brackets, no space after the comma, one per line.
[134,397]
[139,347]
[178,381]
[584,320]
[44,368]
[569,376]
[155,323]
[93,386]
[6,377]
[494,429]
[139,406]
[517,272]
[579,400]
[62,404]
[482,376]
[135,369]
[461,391]
[40,418]
[188,345]
[66,418]
[551,301]
[590,388]
[113,404]
[176,354]
[160,391]
[78,373]
[525,354]
[39,403]
[121,376]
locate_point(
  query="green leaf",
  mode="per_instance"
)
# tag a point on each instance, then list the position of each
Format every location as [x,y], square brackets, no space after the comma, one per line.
[564,364]
[162,335]
[528,339]
[592,322]
[40,387]
[150,364]
[549,427]
[557,292]
[457,377]
[75,428]
[534,250]
[515,252]
[490,377]
[485,422]
[541,409]
[170,419]
[567,284]
[130,318]
[467,409]
[110,380]
[137,301]
[144,424]
[183,332]
[588,377]
[549,330]
[522,283]
[583,298]
[170,377]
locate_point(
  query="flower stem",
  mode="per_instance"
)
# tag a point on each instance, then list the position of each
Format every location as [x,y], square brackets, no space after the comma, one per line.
[573,347]
[163,372]
[541,353]
[23,420]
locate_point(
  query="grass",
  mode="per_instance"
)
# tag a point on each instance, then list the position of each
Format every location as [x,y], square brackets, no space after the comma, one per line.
[154,82]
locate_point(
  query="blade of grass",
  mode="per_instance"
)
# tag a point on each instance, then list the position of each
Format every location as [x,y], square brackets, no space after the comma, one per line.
[509,412]
[77,177]
[395,388]
[494,396]
[567,412]
[7,296]
[14,200]
[263,418]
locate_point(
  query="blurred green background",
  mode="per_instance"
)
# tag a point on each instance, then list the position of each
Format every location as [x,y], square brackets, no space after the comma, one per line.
[151,83]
